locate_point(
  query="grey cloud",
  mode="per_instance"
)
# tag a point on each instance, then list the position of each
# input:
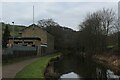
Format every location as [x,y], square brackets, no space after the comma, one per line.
[68,14]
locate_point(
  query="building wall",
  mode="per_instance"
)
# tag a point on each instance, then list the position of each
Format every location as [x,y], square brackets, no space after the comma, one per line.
[35,42]
[43,35]
[35,32]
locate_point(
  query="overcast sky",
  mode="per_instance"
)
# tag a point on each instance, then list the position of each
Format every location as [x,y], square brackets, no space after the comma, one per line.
[69,14]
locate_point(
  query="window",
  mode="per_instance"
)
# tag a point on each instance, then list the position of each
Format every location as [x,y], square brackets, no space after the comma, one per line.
[28,42]
[17,42]
[33,45]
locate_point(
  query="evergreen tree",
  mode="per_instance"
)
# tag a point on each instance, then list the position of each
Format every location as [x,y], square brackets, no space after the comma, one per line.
[5,37]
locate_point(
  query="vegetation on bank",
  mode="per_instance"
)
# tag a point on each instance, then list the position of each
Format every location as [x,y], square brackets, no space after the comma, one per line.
[110,60]
[36,69]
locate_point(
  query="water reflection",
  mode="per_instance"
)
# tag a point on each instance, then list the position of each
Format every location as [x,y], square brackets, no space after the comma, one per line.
[111,75]
[70,75]
[73,66]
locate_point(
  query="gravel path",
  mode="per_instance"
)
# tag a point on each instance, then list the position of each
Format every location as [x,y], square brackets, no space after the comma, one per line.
[9,71]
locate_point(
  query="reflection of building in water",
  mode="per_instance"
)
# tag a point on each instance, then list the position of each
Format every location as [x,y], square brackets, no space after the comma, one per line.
[34,36]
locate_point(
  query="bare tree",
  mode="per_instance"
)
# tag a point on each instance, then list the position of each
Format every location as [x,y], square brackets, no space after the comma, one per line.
[91,32]
[47,22]
[96,28]
[117,28]
[108,17]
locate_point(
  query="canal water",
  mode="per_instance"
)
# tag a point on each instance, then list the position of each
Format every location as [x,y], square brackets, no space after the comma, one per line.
[77,68]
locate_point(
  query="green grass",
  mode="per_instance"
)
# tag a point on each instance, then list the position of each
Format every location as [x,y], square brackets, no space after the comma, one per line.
[36,69]
[17,29]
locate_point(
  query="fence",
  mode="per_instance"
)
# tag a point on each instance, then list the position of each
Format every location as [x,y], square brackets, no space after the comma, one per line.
[18,51]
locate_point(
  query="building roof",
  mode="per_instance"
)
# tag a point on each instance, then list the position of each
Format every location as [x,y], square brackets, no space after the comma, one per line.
[32,25]
[25,38]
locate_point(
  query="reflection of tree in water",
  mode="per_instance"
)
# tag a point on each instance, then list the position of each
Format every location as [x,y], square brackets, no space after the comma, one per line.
[85,69]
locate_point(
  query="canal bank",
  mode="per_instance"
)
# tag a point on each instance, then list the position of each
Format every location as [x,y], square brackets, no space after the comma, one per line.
[36,69]
[109,60]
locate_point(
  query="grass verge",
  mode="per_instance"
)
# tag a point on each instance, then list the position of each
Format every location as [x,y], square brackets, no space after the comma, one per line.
[36,69]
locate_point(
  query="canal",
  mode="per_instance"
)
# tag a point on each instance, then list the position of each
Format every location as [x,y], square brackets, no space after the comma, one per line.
[72,67]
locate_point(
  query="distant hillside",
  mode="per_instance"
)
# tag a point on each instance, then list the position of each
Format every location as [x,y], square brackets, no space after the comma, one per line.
[17,28]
